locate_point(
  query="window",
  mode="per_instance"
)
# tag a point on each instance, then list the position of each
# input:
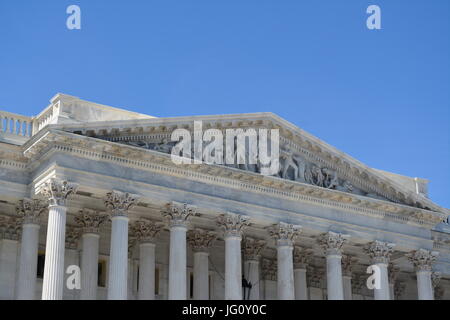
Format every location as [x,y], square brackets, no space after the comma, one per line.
[40,264]
[101,281]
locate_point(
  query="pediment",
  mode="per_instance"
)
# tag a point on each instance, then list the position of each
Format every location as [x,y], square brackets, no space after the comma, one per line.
[305,158]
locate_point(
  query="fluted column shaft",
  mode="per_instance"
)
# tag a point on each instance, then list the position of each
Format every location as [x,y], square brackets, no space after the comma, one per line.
[26,282]
[384,292]
[177,263]
[424,285]
[146,271]
[118,263]
[201,275]
[347,286]
[233,267]
[89,266]
[301,285]
[335,288]
[52,287]
[285,271]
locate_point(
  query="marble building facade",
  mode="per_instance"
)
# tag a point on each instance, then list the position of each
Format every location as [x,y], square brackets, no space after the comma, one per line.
[87,185]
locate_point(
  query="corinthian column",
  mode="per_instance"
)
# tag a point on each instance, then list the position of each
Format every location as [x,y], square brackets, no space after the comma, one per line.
[233,226]
[57,191]
[252,253]
[302,258]
[347,266]
[380,253]
[30,211]
[178,215]
[285,235]
[90,222]
[146,232]
[119,203]
[423,260]
[200,242]
[332,244]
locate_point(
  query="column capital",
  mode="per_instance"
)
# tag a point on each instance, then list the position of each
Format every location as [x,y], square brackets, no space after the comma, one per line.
[393,272]
[9,228]
[72,236]
[146,231]
[269,269]
[284,233]
[90,220]
[179,214]
[302,257]
[252,248]
[233,224]
[200,240]
[332,242]
[379,252]
[57,191]
[30,210]
[120,202]
[422,259]
[347,264]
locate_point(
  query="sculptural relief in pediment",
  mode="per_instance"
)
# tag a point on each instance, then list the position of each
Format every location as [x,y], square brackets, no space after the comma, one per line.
[293,166]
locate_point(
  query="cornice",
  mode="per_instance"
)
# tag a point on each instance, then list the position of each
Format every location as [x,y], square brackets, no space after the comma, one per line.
[92,148]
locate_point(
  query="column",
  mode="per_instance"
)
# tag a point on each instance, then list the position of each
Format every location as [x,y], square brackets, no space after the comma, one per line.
[90,222]
[302,258]
[9,235]
[252,253]
[178,215]
[233,226]
[380,253]
[392,274]
[30,211]
[332,244]
[119,203]
[200,241]
[269,276]
[284,235]
[423,260]
[347,266]
[146,232]
[71,258]
[57,191]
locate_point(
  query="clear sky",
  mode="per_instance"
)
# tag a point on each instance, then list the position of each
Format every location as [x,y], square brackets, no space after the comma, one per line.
[382,96]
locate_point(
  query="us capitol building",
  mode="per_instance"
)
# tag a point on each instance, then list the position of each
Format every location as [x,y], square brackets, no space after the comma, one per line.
[90,192]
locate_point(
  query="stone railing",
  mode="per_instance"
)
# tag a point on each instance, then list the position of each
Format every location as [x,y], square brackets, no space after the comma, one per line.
[46,117]
[15,124]
[15,128]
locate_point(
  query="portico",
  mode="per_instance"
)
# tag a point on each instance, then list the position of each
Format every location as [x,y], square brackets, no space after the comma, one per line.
[194,231]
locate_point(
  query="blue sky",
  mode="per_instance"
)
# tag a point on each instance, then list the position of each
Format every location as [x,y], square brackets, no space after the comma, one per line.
[382,96]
